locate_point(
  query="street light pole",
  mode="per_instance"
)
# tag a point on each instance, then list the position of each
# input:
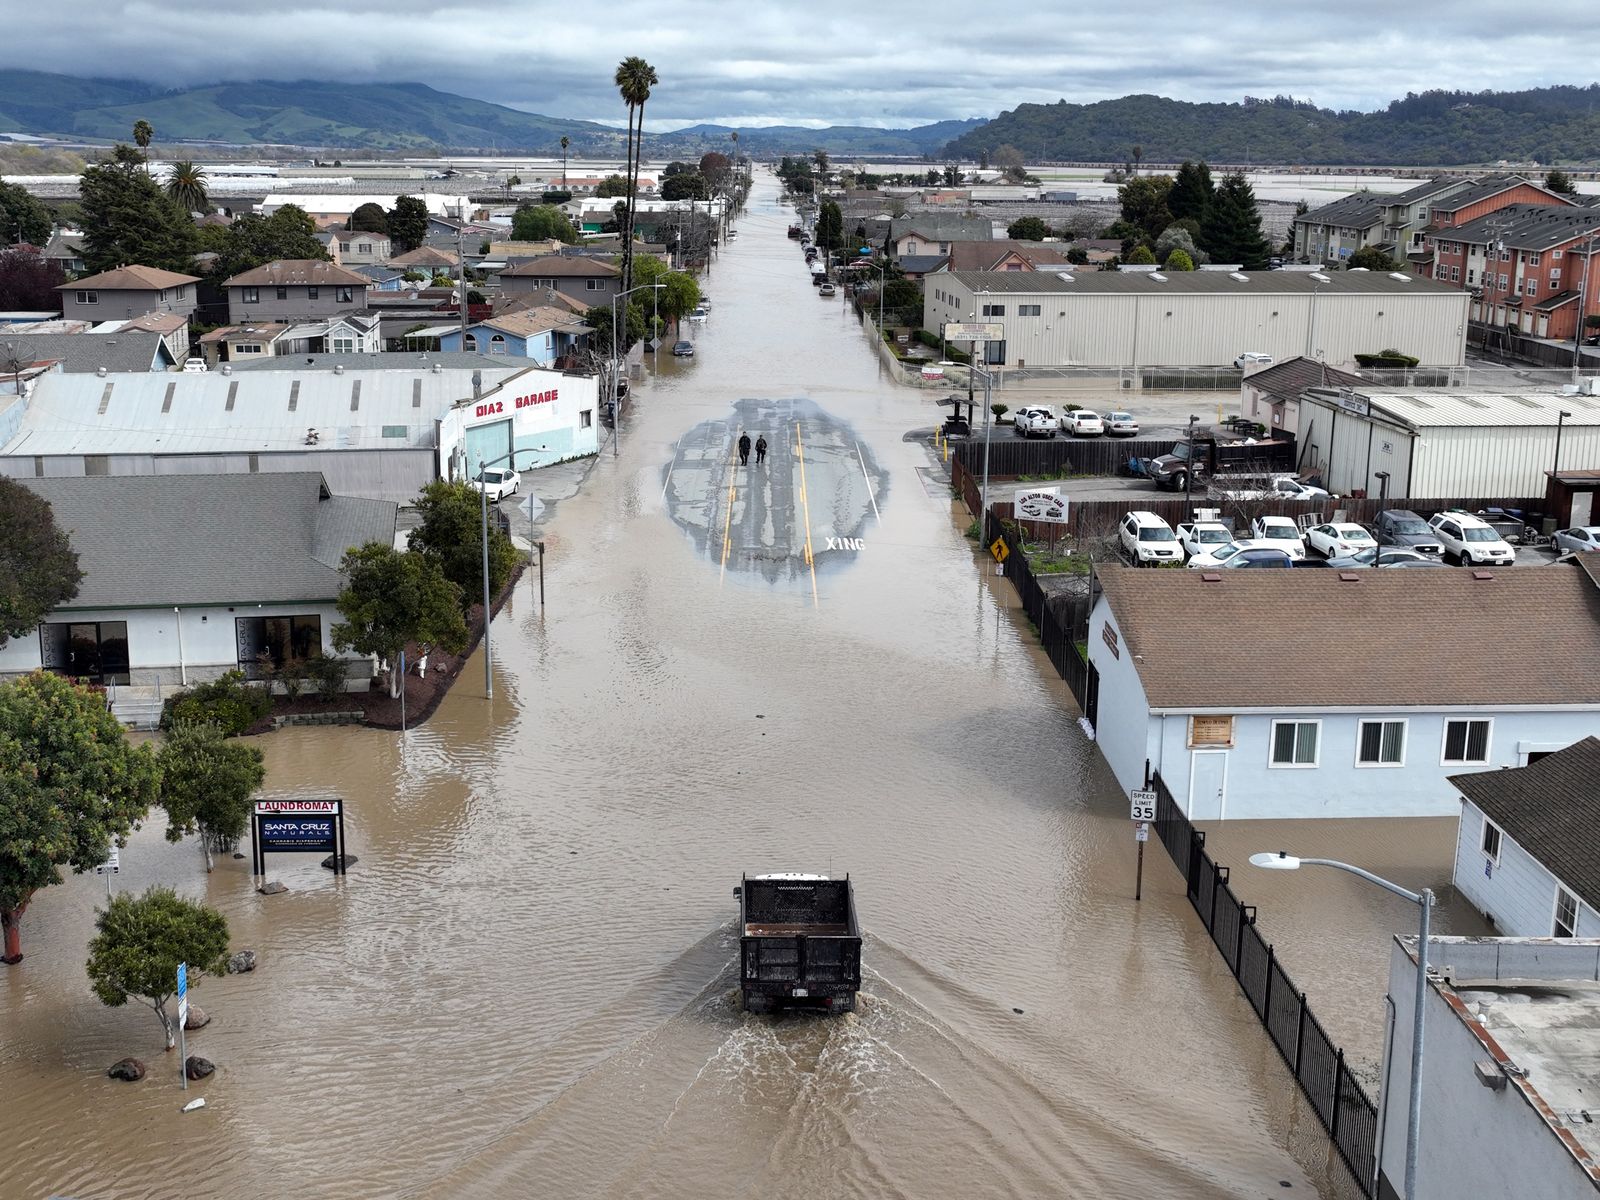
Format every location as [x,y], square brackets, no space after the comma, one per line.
[1188,475]
[1383,492]
[616,364]
[1283,861]
[1561,419]
[483,497]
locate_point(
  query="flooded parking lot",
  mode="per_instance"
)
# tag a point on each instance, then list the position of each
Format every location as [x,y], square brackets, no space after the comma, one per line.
[526,987]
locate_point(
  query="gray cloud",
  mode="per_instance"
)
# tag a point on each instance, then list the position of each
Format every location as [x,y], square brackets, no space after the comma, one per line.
[893,63]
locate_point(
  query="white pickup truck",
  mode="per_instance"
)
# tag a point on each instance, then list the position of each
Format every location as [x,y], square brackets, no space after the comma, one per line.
[1037,420]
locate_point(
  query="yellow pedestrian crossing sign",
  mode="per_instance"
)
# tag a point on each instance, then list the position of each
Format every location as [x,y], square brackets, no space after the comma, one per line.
[999,549]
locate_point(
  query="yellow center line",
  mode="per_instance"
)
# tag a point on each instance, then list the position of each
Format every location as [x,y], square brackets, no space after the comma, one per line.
[727,519]
[805,502]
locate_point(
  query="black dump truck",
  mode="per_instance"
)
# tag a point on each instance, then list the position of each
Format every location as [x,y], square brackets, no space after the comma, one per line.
[799,944]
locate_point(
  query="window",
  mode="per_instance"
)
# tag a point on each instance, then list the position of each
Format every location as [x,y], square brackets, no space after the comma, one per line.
[1466,743]
[282,293]
[312,293]
[1455,275]
[994,310]
[1566,923]
[183,290]
[1381,744]
[346,295]
[1533,258]
[1555,279]
[1491,841]
[363,247]
[1472,276]
[1555,256]
[1027,310]
[250,295]
[497,344]
[1294,743]
[1505,255]
[88,297]
[469,342]
[1531,287]
[344,345]
[1422,214]
[1504,282]
[589,285]
[586,419]
[276,640]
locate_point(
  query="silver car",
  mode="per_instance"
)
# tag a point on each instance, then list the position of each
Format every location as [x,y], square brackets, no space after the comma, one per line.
[1121,424]
[1579,537]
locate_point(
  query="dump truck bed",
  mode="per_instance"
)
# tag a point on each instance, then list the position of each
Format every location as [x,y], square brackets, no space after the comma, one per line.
[799,942]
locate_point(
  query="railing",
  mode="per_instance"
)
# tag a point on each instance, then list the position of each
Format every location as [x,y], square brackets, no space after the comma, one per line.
[1057,618]
[1338,1099]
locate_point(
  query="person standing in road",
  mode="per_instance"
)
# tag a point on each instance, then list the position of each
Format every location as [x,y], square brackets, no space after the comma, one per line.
[744,449]
[761,449]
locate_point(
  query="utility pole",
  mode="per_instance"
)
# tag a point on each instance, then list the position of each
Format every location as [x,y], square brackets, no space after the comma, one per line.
[461,273]
[1583,310]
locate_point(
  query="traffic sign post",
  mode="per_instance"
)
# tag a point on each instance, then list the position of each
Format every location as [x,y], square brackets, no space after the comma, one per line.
[183,1017]
[110,867]
[1143,811]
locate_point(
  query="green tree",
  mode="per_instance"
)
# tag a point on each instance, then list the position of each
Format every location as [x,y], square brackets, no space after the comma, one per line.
[717,170]
[289,233]
[408,224]
[143,134]
[830,226]
[1371,258]
[1560,182]
[1177,236]
[632,318]
[370,217]
[683,168]
[820,157]
[612,187]
[1141,256]
[141,942]
[1191,192]
[679,293]
[685,187]
[69,784]
[1231,230]
[449,534]
[1179,260]
[634,79]
[540,222]
[1028,229]
[207,780]
[22,218]
[1144,203]
[28,282]
[127,218]
[38,566]
[393,598]
[186,186]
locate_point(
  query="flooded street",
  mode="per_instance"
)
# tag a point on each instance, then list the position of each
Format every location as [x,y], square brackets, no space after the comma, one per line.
[526,986]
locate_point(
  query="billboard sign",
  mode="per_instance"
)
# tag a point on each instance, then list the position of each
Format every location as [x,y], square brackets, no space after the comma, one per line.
[298,826]
[1041,504]
[303,834]
[980,331]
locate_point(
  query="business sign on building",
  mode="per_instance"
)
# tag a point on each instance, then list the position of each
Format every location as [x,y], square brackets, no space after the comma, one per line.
[297,826]
[974,331]
[298,833]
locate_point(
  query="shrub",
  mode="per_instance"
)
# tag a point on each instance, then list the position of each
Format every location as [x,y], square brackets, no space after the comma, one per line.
[327,674]
[232,703]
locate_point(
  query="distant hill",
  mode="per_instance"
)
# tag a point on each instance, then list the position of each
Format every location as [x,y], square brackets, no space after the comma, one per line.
[1548,125]
[388,116]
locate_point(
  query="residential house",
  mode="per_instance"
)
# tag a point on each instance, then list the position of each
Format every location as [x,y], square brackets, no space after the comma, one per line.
[934,233]
[240,343]
[1435,673]
[355,333]
[1396,223]
[1096,251]
[172,328]
[259,575]
[92,353]
[295,289]
[545,334]
[446,233]
[66,251]
[1004,255]
[361,248]
[1525,851]
[920,266]
[1527,264]
[1272,395]
[586,279]
[128,292]
[428,261]
[1335,231]
[383,279]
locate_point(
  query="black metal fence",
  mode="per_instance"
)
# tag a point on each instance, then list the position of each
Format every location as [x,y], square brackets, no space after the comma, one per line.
[1340,1102]
[1059,619]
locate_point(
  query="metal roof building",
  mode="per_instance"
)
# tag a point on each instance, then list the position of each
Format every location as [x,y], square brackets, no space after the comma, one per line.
[1124,319]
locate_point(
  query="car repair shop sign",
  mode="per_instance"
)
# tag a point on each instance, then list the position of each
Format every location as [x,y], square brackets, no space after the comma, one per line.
[1040,504]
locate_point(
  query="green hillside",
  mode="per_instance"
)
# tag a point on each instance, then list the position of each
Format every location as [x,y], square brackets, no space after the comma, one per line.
[1548,125]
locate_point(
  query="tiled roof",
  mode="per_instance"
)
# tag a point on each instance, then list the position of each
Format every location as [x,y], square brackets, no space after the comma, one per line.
[561,266]
[1289,379]
[314,272]
[1401,635]
[270,537]
[983,256]
[130,279]
[1551,809]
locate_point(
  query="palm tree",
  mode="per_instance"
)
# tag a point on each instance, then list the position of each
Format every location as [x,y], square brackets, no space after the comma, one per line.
[565,142]
[143,134]
[187,186]
[634,79]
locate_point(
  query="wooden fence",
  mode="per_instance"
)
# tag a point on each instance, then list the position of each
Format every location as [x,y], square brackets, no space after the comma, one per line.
[1012,456]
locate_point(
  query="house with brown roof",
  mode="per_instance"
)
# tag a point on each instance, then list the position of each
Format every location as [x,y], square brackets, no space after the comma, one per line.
[127,292]
[429,260]
[1355,693]
[360,247]
[1272,395]
[300,289]
[1004,255]
[587,279]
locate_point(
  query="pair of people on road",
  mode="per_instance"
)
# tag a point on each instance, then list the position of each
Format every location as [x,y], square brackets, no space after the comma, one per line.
[744,449]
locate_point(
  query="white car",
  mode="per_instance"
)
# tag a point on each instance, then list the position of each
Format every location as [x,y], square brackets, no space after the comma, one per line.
[1218,556]
[496,482]
[1579,537]
[1281,533]
[1339,538]
[1037,420]
[1149,541]
[1291,488]
[1121,424]
[1083,422]
[1252,358]
[194,366]
[1201,537]
[1470,540]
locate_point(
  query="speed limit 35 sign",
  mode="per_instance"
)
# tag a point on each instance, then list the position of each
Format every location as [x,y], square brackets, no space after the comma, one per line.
[1144,806]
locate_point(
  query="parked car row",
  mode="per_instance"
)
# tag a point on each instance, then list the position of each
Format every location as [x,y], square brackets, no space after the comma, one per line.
[1042,420]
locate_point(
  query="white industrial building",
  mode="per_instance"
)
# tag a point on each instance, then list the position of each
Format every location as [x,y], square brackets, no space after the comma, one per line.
[1131,319]
[380,434]
[1439,443]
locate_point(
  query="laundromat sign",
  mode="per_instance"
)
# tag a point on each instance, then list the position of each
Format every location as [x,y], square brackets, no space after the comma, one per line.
[494,408]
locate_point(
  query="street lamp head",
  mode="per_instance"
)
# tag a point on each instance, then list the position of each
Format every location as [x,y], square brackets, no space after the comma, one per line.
[1564,415]
[1282,860]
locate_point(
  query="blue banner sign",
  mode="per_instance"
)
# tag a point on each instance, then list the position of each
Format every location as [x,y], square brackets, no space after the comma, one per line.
[301,833]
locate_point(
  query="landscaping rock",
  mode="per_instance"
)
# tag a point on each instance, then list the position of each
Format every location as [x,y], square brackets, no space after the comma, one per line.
[242,963]
[196,1067]
[272,889]
[197,1018]
[131,1070]
[350,860]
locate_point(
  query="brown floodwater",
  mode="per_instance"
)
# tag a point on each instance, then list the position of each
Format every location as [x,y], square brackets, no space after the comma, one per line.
[525,987]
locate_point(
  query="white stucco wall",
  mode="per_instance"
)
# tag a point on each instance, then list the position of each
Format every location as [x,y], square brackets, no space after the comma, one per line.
[1122,730]
[1518,893]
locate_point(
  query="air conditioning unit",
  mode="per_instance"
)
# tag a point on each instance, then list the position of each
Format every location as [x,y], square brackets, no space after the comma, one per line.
[1127,385]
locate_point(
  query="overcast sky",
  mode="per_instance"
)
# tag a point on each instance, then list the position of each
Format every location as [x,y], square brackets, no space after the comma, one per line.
[820,62]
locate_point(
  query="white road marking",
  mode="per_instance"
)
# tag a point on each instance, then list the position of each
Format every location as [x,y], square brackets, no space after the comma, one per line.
[868,478]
